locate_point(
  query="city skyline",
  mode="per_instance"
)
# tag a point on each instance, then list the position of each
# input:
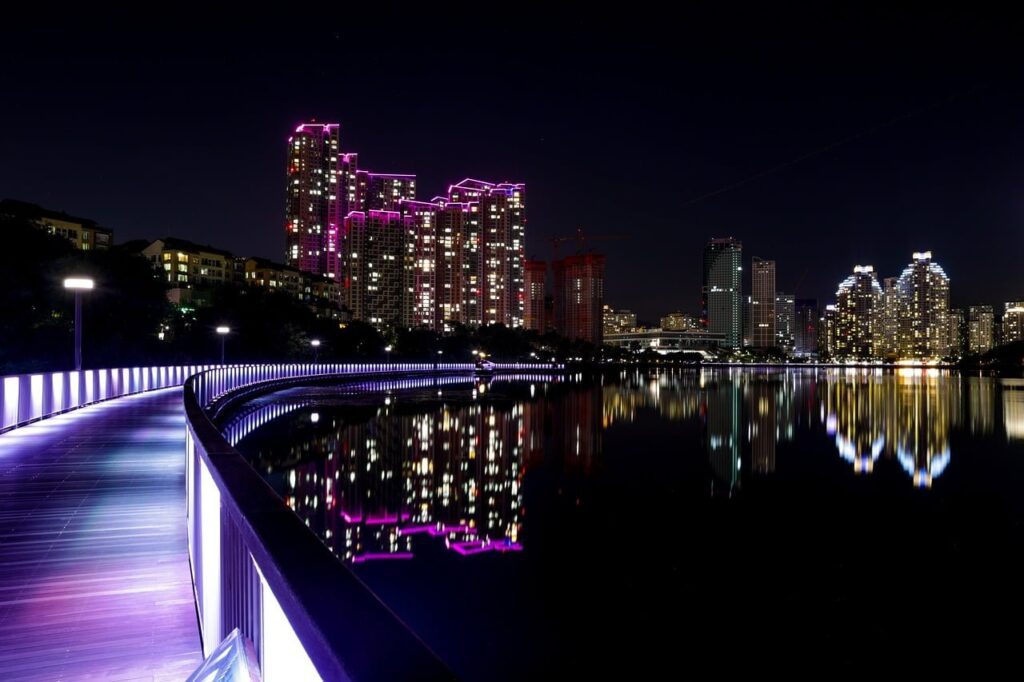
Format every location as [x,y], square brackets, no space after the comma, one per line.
[940,176]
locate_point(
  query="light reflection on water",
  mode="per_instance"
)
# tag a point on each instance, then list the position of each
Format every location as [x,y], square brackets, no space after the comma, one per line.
[663,493]
[408,471]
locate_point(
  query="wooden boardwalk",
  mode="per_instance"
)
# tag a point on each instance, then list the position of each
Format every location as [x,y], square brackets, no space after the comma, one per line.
[94,576]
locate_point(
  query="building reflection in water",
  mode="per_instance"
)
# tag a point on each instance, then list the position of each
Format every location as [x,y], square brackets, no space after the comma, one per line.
[1013,408]
[870,414]
[396,478]
[393,478]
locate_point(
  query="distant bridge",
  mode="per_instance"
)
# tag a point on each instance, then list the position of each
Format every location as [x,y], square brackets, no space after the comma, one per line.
[665,341]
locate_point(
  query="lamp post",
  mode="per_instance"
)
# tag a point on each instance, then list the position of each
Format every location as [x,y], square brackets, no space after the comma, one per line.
[222,332]
[387,349]
[78,285]
[438,360]
[316,349]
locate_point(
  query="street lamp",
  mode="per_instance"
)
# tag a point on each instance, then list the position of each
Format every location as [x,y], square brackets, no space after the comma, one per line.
[78,285]
[223,332]
[438,360]
[316,349]
[387,349]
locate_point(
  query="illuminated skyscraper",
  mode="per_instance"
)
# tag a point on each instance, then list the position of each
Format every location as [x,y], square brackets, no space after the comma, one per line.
[980,328]
[722,289]
[890,317]
[377,283]
[762,303]
[958,333]
[421,262]
[1013,322]
[806,326]
[858,308]
[785,322]
[496,246]
[313,208]
[352,183]
[579,296]
[536,289]
[461,256]
[474,266]
[828,329]
[452,234]
[384,191]
[924,309]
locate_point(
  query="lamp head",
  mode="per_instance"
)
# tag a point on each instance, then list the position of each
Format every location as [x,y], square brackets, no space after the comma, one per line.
[78,283]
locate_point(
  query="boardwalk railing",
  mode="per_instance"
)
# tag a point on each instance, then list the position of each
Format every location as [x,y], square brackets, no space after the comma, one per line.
[257,567]
[28,397]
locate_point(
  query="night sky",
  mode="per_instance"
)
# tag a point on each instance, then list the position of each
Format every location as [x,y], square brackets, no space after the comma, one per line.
[839,139]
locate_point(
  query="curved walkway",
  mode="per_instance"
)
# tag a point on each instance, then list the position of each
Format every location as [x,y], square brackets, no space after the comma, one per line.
[94,575]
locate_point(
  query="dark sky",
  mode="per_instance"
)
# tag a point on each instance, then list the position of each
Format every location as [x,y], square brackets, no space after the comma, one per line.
[906,132]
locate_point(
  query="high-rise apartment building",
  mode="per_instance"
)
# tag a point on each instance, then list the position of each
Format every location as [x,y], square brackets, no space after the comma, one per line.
[477,269]
[980,328]
[377,285]
[536,288]
[722,289]
[421,263]
[461,256]
[890,317]
[498,244]
[958,333]
[805,327]
[384,191]
[828,332]
[762,303]
[747,337]
[785,322]
[858,308]
[924,309]
[579,296]
[313,213]
[1013,322]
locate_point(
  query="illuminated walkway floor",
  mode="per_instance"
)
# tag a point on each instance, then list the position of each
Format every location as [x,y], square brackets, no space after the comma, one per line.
[94,577]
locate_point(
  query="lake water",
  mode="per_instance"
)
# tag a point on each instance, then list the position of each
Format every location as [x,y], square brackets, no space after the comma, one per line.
[632,523]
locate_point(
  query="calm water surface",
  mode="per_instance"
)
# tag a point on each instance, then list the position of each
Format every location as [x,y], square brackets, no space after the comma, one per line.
[691,520]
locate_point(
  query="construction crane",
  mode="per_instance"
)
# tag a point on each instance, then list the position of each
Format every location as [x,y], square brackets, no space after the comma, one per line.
[580,238]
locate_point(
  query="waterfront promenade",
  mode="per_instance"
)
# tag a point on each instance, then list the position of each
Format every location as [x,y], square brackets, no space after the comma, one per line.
[94,574]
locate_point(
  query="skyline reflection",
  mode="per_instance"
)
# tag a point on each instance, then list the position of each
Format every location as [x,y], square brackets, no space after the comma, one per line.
[408,471]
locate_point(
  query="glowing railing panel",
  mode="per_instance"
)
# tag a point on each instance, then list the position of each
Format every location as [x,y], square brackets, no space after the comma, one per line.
[25,398]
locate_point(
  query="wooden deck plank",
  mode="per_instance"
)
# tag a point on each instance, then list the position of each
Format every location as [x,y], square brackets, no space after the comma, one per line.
[94,578]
